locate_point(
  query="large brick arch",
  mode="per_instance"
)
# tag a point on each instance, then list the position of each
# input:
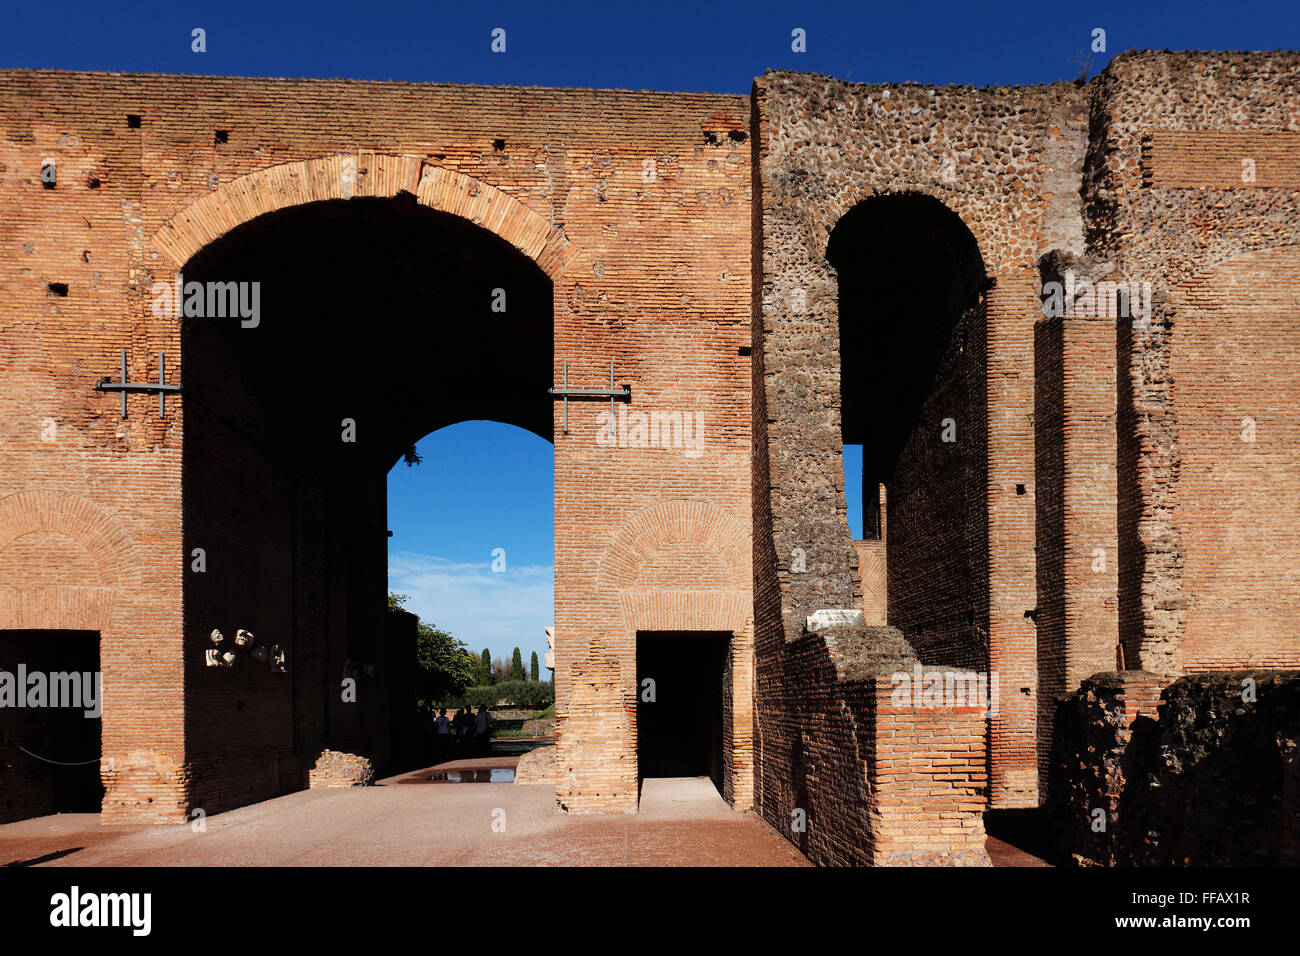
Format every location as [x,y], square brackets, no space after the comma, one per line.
[57,520]
[353,175]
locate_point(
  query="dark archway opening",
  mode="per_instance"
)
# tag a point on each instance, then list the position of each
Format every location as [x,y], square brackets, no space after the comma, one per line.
[378,321]
[50,743]
[679,714]
[912,346]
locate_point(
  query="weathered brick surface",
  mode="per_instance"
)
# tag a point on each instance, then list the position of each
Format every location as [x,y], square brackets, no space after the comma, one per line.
[634,208]
[537,766]
[1165,202]
[334,770]
[684,238]
[1076,550]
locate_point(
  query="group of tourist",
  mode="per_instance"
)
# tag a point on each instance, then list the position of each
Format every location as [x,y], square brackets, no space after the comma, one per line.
[467,734]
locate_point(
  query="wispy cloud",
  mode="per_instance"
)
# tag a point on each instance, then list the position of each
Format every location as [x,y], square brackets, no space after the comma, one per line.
[481,607]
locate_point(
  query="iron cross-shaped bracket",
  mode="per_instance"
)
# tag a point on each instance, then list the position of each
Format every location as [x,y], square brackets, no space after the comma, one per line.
[161,388]
[612,393]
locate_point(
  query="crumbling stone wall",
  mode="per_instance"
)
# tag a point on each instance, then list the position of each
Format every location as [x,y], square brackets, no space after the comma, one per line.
[1212,779]
[334,770]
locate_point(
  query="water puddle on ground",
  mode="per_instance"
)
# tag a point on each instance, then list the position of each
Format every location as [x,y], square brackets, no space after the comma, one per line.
[487,775]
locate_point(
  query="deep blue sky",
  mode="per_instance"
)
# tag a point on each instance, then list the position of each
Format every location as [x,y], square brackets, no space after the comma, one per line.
[713,46]
[481,486]
[486,486]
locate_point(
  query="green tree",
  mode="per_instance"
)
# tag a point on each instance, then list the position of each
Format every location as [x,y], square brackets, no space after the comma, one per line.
[485,669]
[517,666]
[444,665]
[536,675]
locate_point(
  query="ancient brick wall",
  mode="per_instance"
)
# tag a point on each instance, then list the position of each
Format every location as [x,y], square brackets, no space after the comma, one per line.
[1076,551]
[1190,186]
[634,206]
[1235,365]
[937,532]
[929,777]
[872,575]
[76,477]
[648,231]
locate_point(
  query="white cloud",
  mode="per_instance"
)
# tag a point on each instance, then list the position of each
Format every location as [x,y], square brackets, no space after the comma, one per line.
[477,605]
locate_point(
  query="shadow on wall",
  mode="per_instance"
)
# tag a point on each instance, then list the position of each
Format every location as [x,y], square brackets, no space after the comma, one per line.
[1214,780]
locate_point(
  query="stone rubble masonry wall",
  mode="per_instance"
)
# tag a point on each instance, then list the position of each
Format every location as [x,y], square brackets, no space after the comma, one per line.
[1207,523]
[1091,734]
[337,770]
[637,206]
[1195,775]
[823,147]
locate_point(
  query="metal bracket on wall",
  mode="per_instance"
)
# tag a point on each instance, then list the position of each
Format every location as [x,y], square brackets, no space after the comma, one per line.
[160,387]
[612,393]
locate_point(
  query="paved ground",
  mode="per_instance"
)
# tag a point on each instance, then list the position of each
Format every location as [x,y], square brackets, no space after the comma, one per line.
[441,824]
[410,821]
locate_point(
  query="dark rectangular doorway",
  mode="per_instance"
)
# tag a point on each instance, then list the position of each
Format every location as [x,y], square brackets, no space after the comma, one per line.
[679,676]
[49,755]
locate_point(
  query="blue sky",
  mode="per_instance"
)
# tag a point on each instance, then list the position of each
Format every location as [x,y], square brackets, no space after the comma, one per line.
[716,46]
[484,486]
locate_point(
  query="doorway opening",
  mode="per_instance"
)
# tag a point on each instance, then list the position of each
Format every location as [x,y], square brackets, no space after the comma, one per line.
[49,723]
[679,712]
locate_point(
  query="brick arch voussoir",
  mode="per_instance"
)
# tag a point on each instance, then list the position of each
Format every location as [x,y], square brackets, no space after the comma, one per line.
[668,522]
[106,541]
[355,175]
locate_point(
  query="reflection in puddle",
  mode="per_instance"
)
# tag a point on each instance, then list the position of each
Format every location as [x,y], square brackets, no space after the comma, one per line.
[493,775]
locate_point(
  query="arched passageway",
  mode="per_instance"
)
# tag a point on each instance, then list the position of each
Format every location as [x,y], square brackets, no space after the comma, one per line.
[913,368]
[377,321]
